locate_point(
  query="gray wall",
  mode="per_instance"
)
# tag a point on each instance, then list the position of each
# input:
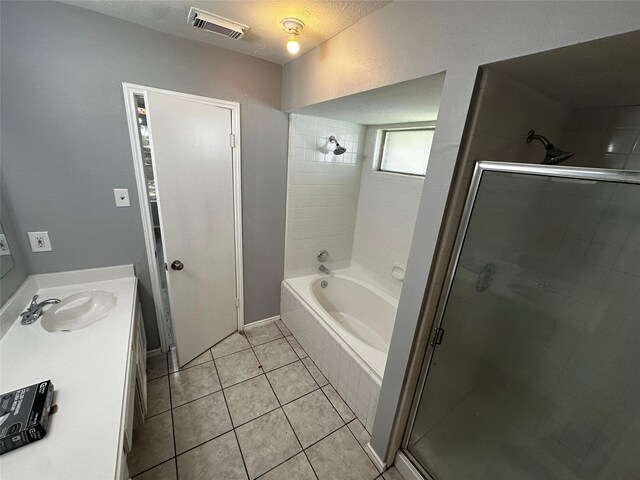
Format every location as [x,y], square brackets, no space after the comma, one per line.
[18,274]
[65,143]
[456,37]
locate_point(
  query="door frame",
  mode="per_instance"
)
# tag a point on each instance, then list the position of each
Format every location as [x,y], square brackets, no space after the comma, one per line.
[129,90]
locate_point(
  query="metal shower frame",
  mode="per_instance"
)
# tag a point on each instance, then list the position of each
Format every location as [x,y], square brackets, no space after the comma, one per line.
[578,173]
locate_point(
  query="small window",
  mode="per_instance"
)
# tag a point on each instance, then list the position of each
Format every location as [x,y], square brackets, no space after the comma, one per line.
[405,151]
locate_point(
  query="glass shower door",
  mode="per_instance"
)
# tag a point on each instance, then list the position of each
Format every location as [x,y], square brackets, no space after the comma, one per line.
[538,372]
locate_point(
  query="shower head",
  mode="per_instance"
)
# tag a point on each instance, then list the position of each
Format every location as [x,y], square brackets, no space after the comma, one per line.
[338,150]
[554,155]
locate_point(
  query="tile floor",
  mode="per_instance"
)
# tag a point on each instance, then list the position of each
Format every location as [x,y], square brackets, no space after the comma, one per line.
[253,406]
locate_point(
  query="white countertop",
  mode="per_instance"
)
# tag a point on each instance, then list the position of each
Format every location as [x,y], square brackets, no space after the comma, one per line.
[88,369]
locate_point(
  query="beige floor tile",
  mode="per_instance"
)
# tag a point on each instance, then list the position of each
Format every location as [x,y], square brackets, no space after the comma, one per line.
[283,328]
[339,404]
[291,382]
[157,366]
[237,367]
[152,444]
[315,371]
[218,459]
[296,468]
[275,354]
[232,344]
[312,417]
[164,471]
[340,456]
[262,333]
[392,474]
[192,383]
[199,421]
[158,400]
[250,399]
[296,347]
[266,442]
[359,432]
[173,360]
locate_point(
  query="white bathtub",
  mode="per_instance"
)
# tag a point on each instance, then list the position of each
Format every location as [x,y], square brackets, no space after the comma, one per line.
[358,312]
[345,328]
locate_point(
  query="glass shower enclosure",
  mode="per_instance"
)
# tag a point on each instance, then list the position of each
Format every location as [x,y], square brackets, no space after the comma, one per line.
[533,371]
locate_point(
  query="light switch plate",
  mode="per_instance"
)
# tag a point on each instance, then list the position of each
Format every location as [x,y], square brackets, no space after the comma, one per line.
[39,241]
[4,246]
[122,197]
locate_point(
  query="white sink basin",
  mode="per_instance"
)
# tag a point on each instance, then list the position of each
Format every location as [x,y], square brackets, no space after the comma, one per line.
[78,311]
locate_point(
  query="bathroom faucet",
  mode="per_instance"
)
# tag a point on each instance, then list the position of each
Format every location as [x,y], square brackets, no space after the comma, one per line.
[324,269]
[34,311]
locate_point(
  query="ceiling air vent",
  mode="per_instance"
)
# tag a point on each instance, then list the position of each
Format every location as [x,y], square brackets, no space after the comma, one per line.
[213,23]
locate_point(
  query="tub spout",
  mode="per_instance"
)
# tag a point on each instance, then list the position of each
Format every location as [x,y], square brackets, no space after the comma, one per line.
[324,269]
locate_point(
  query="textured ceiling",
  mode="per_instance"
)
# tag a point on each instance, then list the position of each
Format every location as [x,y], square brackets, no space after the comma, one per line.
[413,101]
[599,73]
[264,39]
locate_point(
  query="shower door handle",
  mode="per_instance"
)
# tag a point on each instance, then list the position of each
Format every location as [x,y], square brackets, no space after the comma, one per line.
[177,265]
[437,336]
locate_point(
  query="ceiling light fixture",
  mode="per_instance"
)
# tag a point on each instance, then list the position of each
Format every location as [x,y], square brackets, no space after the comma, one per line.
[293,27]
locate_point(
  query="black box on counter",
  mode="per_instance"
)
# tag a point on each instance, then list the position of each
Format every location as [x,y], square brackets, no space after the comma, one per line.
[24,415]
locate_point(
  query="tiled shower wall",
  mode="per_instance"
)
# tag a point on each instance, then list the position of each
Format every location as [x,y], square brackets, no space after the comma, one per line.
[386,215]
[322,193]
[543,260]
[604,137]
[554,338]
[509,109]
[556,328]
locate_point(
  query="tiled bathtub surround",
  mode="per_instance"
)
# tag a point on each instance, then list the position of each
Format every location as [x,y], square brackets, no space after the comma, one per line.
[386,215]
[355,382]
[322,193]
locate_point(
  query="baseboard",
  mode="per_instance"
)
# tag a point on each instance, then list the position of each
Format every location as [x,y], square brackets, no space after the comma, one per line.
[154,352]
[380,465]
[262,322]
[406,468]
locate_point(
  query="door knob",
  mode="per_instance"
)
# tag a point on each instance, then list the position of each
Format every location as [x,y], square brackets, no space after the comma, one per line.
[177,265]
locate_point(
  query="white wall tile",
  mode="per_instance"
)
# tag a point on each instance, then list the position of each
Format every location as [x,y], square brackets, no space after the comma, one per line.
[603,137]
[387,209]
[322,194]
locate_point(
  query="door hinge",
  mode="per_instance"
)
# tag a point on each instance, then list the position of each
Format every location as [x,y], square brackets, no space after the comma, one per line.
[437,337]
[237,303]
[232,140]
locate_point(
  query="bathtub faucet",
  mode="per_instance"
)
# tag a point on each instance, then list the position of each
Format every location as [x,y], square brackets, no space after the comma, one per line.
[324,269]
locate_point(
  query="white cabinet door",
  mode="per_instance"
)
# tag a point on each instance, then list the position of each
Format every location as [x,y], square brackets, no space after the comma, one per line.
[140,342]
[193,166]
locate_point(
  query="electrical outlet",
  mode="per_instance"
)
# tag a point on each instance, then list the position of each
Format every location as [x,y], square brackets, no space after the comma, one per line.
[39,241]
[4,246]
[122,197]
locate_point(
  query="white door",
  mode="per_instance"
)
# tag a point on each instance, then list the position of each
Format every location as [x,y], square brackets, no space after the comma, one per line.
[193,166]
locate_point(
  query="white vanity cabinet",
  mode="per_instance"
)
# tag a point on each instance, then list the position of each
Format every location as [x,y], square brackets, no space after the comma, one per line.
[98,374]
[135,402]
